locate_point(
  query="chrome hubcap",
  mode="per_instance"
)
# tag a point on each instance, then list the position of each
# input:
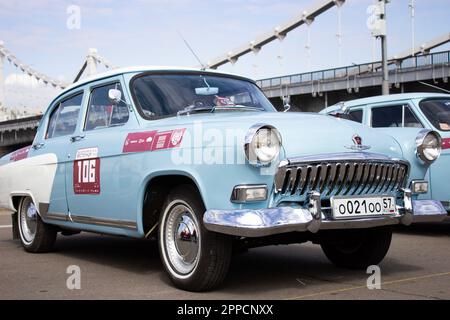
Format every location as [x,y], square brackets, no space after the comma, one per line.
[182,239]
[28,220]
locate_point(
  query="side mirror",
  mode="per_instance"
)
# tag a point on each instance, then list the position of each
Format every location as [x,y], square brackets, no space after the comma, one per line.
[115,96]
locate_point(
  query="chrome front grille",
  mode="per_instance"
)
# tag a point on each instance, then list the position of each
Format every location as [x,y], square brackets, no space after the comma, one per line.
[355,174]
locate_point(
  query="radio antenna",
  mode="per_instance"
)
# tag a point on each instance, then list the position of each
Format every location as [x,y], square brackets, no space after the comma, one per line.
[192,51]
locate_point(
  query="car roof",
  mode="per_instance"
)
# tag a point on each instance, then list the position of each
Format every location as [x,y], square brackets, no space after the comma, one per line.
[389,97]
[139,69]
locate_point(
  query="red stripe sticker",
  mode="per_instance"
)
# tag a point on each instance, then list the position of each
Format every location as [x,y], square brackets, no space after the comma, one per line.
[20,154]
[446,143]
[153,140]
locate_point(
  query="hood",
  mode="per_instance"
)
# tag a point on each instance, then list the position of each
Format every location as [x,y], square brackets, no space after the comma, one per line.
[303,134]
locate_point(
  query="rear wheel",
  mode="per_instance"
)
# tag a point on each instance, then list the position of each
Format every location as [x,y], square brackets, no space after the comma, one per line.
[358,249]
[35,235]
[194,258]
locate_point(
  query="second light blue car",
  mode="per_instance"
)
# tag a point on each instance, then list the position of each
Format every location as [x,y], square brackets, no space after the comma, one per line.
[408,118]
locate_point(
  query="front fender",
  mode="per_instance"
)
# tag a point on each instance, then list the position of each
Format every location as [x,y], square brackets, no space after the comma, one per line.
[406,138]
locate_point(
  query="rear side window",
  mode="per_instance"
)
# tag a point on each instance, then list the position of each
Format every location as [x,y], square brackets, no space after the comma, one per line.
[356,115]
[63,120]
[397,116]
[101,112]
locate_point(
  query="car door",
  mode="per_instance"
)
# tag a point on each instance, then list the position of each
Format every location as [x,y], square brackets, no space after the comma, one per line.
[53,139]
[97,182]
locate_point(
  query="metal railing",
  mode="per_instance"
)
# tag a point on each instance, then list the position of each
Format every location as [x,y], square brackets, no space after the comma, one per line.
[373,68]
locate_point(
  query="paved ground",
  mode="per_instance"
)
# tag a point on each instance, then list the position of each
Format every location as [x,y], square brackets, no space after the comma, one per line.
[417,267]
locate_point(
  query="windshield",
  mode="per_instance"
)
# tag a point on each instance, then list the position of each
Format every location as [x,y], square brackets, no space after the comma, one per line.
[438,112]
[164,95]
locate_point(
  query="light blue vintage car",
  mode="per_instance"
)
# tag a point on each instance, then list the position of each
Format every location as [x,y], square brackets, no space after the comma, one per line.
[203,162]
[408,117]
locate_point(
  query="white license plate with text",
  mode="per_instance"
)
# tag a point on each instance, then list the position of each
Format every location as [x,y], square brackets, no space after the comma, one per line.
[362,207]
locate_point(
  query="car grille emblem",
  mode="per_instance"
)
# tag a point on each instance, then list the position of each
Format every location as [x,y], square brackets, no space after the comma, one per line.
[357,144]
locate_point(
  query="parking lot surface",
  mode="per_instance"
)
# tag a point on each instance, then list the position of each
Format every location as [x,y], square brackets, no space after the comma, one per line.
[417,267]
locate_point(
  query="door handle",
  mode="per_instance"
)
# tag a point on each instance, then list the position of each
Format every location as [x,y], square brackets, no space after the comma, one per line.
[76,138]
[37,146]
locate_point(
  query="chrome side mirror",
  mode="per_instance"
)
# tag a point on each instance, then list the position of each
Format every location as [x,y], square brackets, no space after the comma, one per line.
[115,96]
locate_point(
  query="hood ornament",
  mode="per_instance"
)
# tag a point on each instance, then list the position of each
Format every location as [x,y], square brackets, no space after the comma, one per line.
[357,144]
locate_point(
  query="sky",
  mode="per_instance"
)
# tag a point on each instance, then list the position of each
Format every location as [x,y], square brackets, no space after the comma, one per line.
[147,32]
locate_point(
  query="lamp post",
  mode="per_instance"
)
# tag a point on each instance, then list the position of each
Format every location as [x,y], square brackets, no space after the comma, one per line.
[377,24]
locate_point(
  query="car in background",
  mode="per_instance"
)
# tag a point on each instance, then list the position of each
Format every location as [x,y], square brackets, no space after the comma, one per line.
[202,161]
[409,117]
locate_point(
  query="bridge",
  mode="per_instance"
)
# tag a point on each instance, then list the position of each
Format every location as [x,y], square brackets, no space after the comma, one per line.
[416,69]
[314,91]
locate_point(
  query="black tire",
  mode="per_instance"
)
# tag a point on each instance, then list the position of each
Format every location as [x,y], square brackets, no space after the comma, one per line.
[213,250]
[357,249]
[44,236]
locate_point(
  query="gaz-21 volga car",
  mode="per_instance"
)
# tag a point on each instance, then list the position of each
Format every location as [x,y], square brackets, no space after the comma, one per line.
[409,117]
[203,162]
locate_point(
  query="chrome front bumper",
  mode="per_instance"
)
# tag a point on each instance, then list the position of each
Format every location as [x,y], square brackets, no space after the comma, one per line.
[265,222]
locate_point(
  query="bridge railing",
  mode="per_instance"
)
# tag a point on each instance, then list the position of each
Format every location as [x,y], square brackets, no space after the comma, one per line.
[373,68]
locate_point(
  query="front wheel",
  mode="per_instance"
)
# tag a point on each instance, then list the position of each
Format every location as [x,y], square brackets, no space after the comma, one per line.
[195,258]
[357,249]
[35,235]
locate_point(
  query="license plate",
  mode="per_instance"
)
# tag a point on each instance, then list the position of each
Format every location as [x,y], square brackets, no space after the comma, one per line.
[362,207]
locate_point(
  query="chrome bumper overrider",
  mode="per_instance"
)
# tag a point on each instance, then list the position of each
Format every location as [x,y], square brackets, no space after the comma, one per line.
[265,222]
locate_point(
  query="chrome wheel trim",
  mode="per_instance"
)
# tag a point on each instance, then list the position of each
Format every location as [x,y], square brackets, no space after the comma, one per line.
[180,239]
[28,221]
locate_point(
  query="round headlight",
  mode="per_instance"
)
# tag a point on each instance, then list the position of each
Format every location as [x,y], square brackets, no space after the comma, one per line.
[429,145]
[262,145]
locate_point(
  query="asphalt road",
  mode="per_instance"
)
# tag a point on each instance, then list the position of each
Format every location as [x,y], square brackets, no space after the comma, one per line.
[417,267]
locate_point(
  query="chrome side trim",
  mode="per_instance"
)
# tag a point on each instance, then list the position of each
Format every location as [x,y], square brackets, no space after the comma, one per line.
[55,216]
[113,223]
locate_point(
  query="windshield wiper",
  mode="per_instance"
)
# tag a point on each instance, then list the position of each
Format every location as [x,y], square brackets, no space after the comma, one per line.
[191,109]
[236,106]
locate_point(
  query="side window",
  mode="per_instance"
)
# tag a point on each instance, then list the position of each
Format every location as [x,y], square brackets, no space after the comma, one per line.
[101,112]
[385,117]
[63,120]
[356,115]
[410,119]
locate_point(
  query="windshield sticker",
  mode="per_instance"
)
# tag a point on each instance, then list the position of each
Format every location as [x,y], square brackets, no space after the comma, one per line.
[223,101]
[20,154]
[86,153]
[153,140]
[446,143]
[86,176]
